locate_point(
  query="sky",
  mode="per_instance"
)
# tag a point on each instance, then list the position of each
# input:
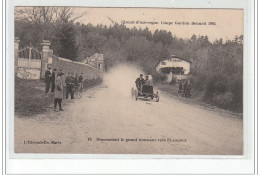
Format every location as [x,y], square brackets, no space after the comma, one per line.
[227,23]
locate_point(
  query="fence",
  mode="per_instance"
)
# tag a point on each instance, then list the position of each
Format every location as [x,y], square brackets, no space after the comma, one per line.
[29,63]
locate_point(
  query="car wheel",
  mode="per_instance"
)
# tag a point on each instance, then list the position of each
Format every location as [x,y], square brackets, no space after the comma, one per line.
[157,99]
[132,92]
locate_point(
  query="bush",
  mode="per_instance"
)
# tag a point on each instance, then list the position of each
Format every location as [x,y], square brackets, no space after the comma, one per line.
[91,82]
[173,81]
[198,82]
[215,85]
[158,77]
[225,92]
[223,100]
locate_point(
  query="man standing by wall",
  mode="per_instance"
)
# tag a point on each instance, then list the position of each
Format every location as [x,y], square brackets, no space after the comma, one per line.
[80,81]
[53,80]
[58,91]
[47,80]
[72,85]
[76,85]
[69,86]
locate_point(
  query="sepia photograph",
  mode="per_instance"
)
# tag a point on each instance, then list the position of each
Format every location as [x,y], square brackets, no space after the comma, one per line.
[155,81]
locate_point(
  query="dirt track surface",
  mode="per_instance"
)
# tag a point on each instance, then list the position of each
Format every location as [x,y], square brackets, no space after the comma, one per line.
[166,127]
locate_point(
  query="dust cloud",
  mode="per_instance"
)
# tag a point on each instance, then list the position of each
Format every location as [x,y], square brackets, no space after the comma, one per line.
[122,78]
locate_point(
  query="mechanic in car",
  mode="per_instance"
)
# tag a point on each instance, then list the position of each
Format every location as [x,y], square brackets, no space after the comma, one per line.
[147,81]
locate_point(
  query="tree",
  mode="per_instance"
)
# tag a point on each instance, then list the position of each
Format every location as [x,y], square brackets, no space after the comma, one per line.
[33,24]
[45,14]
[67,42]
[193,38]
[163,36]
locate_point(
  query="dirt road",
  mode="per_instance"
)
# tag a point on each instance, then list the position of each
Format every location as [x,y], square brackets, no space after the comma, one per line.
[107,121]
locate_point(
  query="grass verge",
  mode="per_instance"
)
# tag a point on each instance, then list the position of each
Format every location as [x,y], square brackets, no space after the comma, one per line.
[30,97]
[196,98]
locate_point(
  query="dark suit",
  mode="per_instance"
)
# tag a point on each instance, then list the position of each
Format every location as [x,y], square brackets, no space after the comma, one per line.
[139,83]
[52,81]
[69,87]
[47,80]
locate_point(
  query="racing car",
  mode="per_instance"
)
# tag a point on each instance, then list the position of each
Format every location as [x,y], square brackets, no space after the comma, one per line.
[146,91]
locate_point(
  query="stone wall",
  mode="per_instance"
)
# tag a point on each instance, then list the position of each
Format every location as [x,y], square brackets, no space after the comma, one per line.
[76,67]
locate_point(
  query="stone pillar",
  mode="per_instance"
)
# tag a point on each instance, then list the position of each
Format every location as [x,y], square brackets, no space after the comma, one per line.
[50,59]
[16,53]
[100,62]
[45,56]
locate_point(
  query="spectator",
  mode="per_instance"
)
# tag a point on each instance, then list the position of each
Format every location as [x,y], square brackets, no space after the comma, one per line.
[53,76]
[73,86]
[76,85]
[180,88]
[63,82]
[69,86]
[58,91]
[47,80]
[188,88]
[184,88]
[80,81]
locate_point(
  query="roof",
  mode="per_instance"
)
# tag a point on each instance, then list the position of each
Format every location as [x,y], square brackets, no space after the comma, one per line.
[173,56]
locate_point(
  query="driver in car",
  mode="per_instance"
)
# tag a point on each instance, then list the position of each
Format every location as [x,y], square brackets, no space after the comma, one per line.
[139,82]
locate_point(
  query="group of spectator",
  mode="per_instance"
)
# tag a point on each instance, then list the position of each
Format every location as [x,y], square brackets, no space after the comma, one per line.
[184,88]
[71,85]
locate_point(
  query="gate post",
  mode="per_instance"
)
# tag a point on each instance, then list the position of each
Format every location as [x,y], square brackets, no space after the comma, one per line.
[45,55]
[16,53]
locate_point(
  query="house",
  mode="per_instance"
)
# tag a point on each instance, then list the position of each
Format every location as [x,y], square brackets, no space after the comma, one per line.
[173,65]
[96,60]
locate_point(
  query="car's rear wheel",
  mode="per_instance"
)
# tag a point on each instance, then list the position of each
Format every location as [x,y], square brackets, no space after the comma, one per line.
[157,96]
[157,99]
[132,92]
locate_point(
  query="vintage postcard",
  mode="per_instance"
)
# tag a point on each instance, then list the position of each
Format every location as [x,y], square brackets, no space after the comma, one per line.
[156,81]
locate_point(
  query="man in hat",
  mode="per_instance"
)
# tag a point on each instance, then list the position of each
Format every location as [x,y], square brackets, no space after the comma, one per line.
[53,76]
[180,88]
[80,81]
[76,85]
[47,79]
[58,91]
[188,89]
[185,88]
[69,86]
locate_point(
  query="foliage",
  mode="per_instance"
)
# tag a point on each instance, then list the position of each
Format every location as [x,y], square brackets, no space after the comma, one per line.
[66,40]
[173,81]
[159,77]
